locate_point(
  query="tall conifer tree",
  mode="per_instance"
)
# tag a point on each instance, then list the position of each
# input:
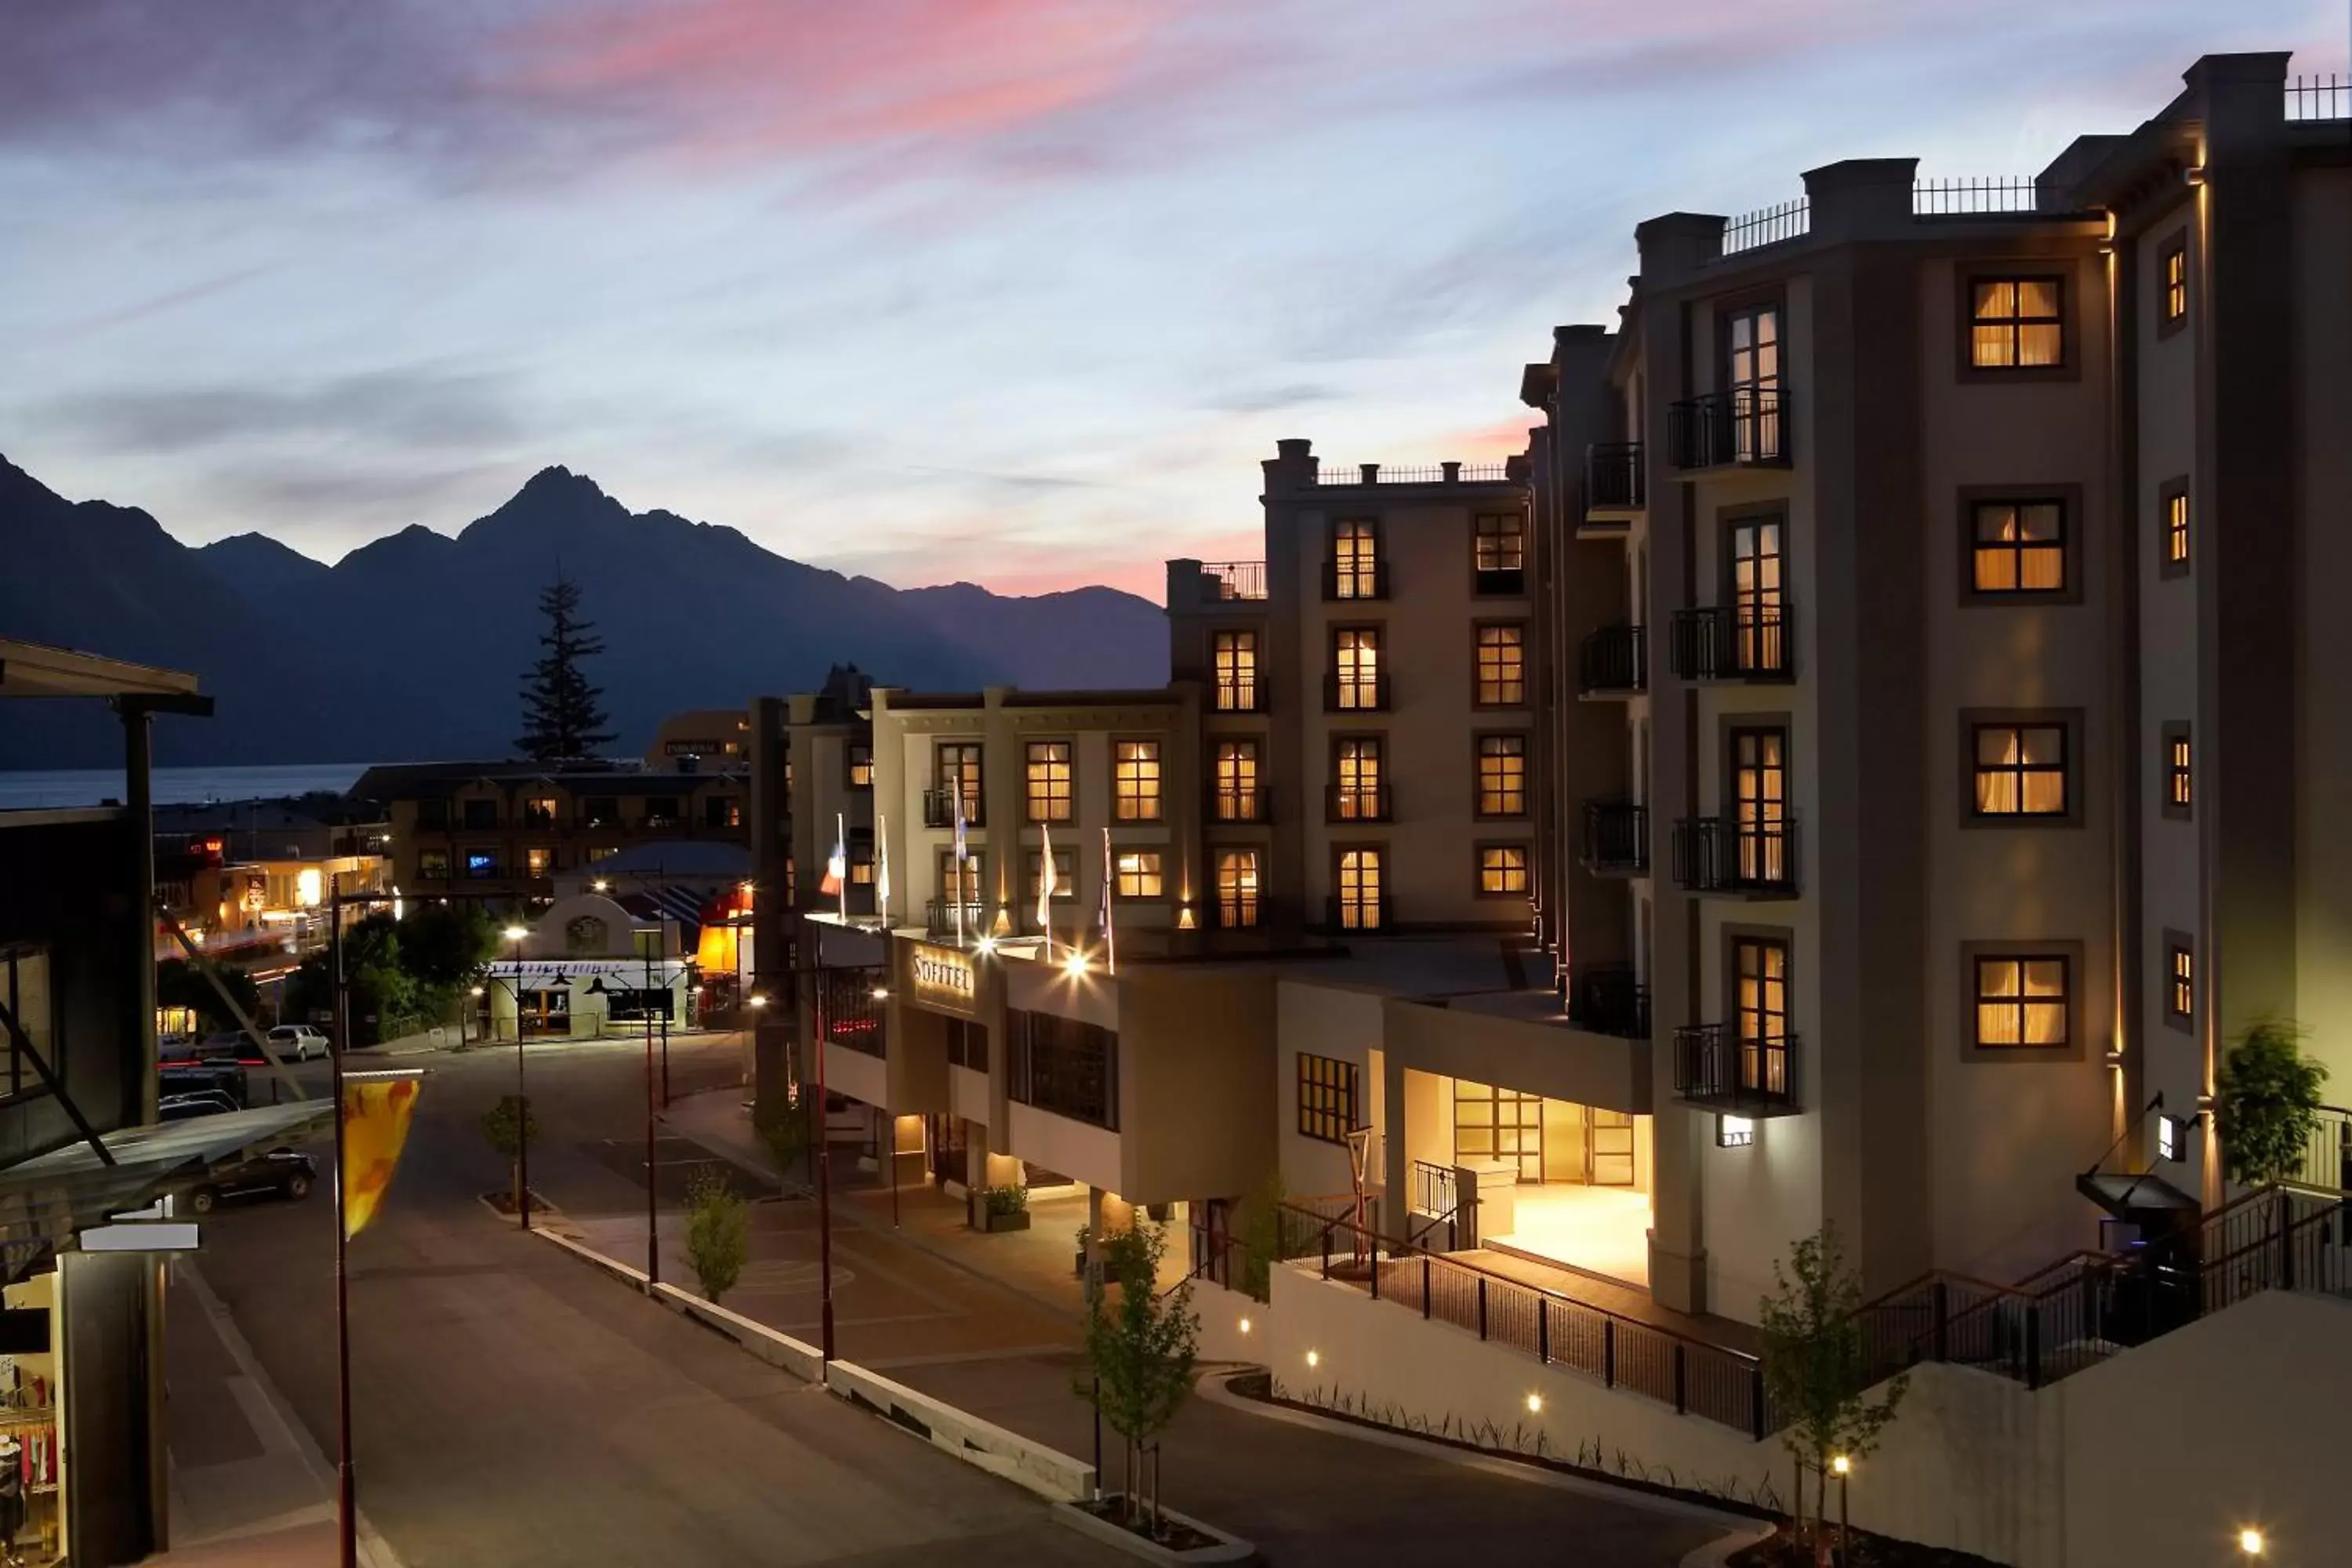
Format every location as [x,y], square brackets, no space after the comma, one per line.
[562,718]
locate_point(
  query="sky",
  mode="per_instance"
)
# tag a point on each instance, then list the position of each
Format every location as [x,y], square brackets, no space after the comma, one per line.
[1012,292]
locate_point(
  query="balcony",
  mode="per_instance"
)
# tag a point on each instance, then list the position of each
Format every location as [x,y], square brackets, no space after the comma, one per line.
[1499,581]
[1735,642]
[1721,855]
[1356,803]
[1613,662]
[1368,915]
[1717,1069]
[1616,838]
[1240,803]
[941,917]
[1740,429]
[1232,582]
[1238,696]
[849,1014]
[1609,999]
[1238,912]
[1615,482]
[1355,693]
[1364,581]
[938,809]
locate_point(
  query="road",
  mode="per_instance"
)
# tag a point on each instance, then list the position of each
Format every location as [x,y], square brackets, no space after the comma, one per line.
[515,1408]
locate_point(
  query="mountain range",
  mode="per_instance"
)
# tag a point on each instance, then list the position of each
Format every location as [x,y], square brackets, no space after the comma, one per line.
[413,647]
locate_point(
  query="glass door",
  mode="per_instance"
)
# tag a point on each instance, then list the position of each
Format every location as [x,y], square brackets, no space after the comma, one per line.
[1753,379]
[1757,576]
[1499,1126]
[1760,789]
[1760,1012]
[1608,1148]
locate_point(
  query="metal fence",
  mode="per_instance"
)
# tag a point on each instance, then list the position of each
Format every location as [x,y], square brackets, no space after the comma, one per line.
[2319,98]
[1693,1376]
[1768,226]
[1986,194]
[1237,580]
[1412,474]
[1436,1204]
[2328,1153]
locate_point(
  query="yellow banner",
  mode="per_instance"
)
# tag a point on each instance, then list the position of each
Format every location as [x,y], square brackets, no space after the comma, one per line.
[375,1125]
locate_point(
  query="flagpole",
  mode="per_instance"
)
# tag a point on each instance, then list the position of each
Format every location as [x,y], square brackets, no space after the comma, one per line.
[1111,939]
[955,789]
[841,842]
[1045,886]
[346,1493]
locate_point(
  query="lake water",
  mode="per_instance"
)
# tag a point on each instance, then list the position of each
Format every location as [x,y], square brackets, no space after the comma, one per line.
[39,790]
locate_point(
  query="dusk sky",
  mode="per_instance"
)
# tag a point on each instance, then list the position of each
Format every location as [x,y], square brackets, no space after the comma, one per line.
[1012,290]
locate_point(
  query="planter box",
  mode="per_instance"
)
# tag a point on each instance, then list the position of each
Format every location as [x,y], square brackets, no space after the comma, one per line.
[995,1221]
[1215,1546]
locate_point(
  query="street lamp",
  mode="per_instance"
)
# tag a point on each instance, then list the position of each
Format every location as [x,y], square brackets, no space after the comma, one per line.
[1842,1466]
[515,935]
[2250,1543]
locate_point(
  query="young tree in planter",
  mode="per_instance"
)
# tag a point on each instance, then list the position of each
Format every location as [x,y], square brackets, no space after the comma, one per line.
[718,1233]
[561,719]
[1814,1368]
[1140,1348]
[507,1125]
[2266,1104]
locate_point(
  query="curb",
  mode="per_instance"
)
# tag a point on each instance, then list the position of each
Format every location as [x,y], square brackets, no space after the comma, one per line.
[1229,1548]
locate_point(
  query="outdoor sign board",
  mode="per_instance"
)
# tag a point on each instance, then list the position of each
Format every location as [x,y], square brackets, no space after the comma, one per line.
[943,976]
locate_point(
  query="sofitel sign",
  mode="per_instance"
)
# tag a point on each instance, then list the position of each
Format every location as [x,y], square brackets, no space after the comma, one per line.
[942,975]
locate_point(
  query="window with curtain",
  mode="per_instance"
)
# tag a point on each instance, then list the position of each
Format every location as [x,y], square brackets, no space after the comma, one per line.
[1238,798]
[1237,890]
[1501,542]
[1360,889]
[1502,775]
[1356,778]
[2021,770]
[2017,323]
[2020,546]
[1502,869]
[1356,668]
[1502,665]
[1138,872]
[1135,780]
[2021,1001]
[1234,654]
[1355,559]
[1048,763]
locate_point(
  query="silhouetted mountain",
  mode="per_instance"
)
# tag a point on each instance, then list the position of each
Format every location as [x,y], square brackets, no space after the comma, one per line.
[413,645]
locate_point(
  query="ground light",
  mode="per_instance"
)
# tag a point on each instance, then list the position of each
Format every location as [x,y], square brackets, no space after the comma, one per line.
[1314,1358]
[757,1000]
[516,933]
[1534,1403]
[1246,1325]
[2250,1543]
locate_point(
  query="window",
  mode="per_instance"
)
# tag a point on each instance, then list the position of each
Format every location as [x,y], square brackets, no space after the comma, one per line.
[1502,869]
[1049,780]
[1237,797]
[1138,874]
[722,811]
[2019,546]
[1063,1066]
[1498,1125]
[540,811]
[967,1045]
[1360,891]
[1759,559]
[1502,775]
[2171,1138]
[599,811]
[2180,980]
[1760,796]
[2172,285]
[1752,377]
[861,856]
[2179,778]
[1237,902]
[1356,562]
[2021,1001]
[2174,500]
[661,811]
[482,813]
[859,756]
[1359,794]
[2021,770]
[24,986]
[1357,683]
[433,813]
[974,880]
[601,852]
[1234,654]
[957,765]
[481,862]
[433,865]
[2017,323]
[1135,780]
[1498,552]
[1502,665]
[538,861]
[1760,1013]
[1066,874]
[1327,1089]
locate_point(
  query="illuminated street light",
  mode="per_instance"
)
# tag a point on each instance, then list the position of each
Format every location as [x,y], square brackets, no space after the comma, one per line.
[516,933]
[758,999]
[2251,1541]
[1075,965]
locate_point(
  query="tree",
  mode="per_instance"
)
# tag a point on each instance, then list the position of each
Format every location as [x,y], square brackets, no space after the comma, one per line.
[782,1129]
[444,945]
[1814,1369]
[509,1125]
[179,983]
[1141,1350]
[2266,1103]
[718,1233]
[560,716]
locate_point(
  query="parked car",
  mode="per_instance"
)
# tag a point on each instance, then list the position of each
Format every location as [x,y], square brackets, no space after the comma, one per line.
[225,1045]
[287,1173]
[191,1103]
[226,1077]
[297,1042]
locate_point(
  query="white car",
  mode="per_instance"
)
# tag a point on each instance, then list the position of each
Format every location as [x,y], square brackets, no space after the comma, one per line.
[297,1042]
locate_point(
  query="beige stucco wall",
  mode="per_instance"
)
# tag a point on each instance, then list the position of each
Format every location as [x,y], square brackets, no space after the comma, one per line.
[1342,1022]
[1196,1051]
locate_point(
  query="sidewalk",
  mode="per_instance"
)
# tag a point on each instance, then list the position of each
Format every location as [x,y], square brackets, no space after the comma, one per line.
[248,1487]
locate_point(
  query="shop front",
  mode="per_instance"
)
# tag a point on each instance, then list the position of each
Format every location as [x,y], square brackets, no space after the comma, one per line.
[585,998]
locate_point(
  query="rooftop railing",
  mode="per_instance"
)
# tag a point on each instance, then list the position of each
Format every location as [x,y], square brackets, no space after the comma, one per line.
[1974,194]
[1411,474]
[1234,579]
[1768,226]
[2319,98]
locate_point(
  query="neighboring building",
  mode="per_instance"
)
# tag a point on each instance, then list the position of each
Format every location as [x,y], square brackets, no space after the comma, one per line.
[254,877]
[591,967]
[714,740]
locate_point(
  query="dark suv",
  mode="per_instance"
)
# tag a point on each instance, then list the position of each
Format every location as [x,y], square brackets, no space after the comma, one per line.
[287,1173]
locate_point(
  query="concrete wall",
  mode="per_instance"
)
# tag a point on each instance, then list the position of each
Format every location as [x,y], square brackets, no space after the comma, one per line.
[1345,1024]
[1196,1048]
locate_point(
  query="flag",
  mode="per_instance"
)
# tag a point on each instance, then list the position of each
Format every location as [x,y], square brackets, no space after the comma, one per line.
[955,792]
[1111,944]
[1045,885]
[837,867]
[882,868]
[375,1112]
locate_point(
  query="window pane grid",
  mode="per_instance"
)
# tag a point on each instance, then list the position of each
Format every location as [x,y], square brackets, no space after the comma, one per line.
[1501,542]
[1328,1097]
[1503,869]
[1356,655]
[1354,560]
[2020,547]
[1049,780]
[1359,889]
[1502,666]
[2017,324]
[2176,528]
[2021,1001]
[1502,775]
[1238,899]
[1138,872]
[1136,784]
[1235,656]
[2021,770]
[1236,789]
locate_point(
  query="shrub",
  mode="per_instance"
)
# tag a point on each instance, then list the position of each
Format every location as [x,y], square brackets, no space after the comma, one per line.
[2266,1103]
[508,1126]
[718,1233]
[1001,1201]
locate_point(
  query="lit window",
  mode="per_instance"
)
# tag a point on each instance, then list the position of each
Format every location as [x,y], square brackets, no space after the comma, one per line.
[974,880]
[1502,665]
[1237,904]
[433,865]
[2021,770]
[2175,530]
[2179,777]
[957,769]
[1066,874]
[1503,869]
[861,766]
[1354,560]
[1049,780]
[1357,792]
[2020,547]
[481,863]
[1235,656]
[722,811]
[538,862]
[1139,873]
[1237,797]
[2017,323]
[2181,982]
[2020,1001]
[1356,678]
[540,811]
[1328,1097]
[1360,893]
[1135,781]
[861,858]
[2174,308]
[1502,775]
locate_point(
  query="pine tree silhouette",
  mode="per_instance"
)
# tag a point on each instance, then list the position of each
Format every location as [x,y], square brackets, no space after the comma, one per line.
[562,718]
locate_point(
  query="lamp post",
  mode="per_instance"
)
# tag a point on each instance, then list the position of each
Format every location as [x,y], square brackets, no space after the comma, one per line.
[652,1153]
[515,934]
[1842,1466]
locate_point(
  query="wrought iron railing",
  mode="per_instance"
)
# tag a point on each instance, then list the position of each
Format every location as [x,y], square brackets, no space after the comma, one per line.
[1609,999]
[1614,660]
[938,809]
[2328,1153]
[1355,693]
[1436,1204]
[1238,802]
[1352,474]
[1740,641]
[1614,477]
[1718,1067]
[1768,226]
[1977,193]
[849,1014]
[941,917]
[1368,580]
[1744,425]
[1359,914]
[1237,696]
[1616,837]
[1727,854]
[2319,98]
[1356,803]
[1237,580]
[1693,1376]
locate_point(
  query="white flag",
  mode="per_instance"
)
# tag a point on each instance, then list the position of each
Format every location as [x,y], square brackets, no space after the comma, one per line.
[1045,885]
[882,869]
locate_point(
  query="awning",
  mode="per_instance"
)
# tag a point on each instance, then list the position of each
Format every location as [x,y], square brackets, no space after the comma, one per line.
[52,1196]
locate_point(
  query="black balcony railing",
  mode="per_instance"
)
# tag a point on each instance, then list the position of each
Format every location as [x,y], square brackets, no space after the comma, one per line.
[1740,641]
[1232,580]
[1355,693]
[1724,855]
[1238,911]
[1356,803]
[1368,580]
[1235,803]
[940,807]
[2327,1153]
[1359,914]
[1609,999]
[1745,425]
[849,1013]
[1238,696]
[1717,1067]
[940,915]
[1614,660]
[1616,837]
[1502,581]
[1614,478]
